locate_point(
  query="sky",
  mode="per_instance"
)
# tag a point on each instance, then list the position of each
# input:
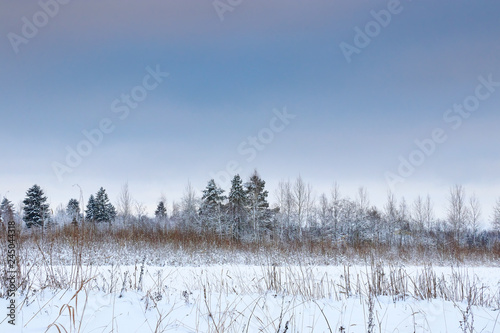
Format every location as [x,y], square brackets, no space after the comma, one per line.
[390,95]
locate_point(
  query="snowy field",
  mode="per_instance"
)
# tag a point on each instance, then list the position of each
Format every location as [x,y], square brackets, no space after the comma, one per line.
[258,298]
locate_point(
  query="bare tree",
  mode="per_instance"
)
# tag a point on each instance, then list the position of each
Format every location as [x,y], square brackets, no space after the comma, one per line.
[475,216]
[299,198]
[284,200]
[336,206]
[125,204]
[302,200]
[496,217]
[458,212]
[175,215]
[189,218]
[348,220]
[391,213]
[403,224]
[362,200]
[325,213]
[418,214]
[429,213]
[140,211]
[360,220]
[311,216]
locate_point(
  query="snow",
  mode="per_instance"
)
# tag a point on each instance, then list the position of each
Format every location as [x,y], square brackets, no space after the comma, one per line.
[247,298]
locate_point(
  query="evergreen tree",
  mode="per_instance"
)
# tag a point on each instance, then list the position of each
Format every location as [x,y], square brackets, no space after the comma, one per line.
[161,211]
[6,210]
[99,209]
[36,210]
[237,201]
[104,211]
[258,207]
[211,207]
[90,212]
[73,210]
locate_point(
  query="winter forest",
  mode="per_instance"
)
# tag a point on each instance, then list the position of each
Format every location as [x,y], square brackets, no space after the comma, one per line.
[245,213]
[237,260]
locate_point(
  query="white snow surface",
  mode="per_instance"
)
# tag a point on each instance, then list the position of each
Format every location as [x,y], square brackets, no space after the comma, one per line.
[249,298]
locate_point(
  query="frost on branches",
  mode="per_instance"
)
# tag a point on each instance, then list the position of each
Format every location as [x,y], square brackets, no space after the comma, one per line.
[36,210]
[99,209]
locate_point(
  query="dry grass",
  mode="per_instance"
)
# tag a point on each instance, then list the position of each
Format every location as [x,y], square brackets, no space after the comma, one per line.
[108,238]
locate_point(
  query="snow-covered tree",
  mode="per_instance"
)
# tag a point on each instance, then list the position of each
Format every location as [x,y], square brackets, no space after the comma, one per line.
[99,209]
[391,215]
[259,215]
[175,216]
[73,211]
[474,216]
[325,216]
[336,206]
[36,210]
[375,228]
[60,215]
[285,205]
[90,212]
[358,216]
[140,212]
[496,217]
[418,214]
[188,218]
[237,201]
[422,214]
[161,214]
[403,224]
[106,212]
[302,199]
[161,211]
[125,204]
[458,212]
[211,212]
[349,217]
[6,210]
[429,213]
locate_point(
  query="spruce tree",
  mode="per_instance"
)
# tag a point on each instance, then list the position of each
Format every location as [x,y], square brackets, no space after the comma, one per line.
[90,212]
[73,210]
[104,210]
[258,207]
[211,207]
[6,210]
[36,210]
[161,211]
[237,201]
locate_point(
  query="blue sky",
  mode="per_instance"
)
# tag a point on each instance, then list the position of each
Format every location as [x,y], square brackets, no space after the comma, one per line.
[352,120]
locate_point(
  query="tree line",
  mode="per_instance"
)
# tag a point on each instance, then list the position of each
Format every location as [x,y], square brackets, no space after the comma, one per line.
[244,213]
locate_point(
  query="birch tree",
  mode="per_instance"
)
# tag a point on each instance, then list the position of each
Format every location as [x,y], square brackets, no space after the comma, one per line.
[458,212]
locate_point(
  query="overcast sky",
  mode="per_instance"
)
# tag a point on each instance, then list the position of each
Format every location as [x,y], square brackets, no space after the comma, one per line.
[331,90]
